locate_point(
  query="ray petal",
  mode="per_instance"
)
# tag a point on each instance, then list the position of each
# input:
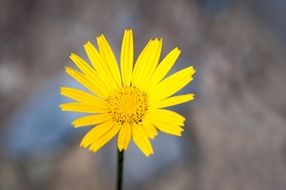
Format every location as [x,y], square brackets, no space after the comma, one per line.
[109,57]
[81,64]
[126,58]
[90,73]
[91,120]
[83,107]
[174,100]
[138,71]
[141,140]
[166,127]
[97,132]
[98,143]
[149,129]
[167,116]
[100,65]
[152,62]
[81,96]
[82,79]
[124,136]
[171,84]
[163,68]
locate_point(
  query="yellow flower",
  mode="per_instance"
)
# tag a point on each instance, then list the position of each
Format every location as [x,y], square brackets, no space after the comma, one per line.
[129,101]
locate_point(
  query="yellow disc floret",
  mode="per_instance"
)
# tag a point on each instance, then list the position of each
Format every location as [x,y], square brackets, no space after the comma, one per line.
[128,104]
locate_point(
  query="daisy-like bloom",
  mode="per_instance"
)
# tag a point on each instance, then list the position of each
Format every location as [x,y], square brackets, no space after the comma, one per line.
[129,101]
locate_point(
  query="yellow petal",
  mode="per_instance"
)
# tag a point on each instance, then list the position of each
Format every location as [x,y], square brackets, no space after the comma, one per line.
[163,68]
[149,130]
[138,71]
[90,73]
[166,121]
[96,133]
[108,55]
[82,79]
[81,96]
[81,64]
[83,107]
[167,128]
[100,65]
[98,143]
[152,63]
[174,100]
[171,84]
[166,116]
[141,140]
[124,136]
[126,58]
[91,120]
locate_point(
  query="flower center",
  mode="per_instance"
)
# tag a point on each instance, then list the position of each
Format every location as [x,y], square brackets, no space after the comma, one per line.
[128,104]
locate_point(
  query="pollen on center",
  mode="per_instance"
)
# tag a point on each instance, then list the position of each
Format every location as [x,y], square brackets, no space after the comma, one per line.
[128,104]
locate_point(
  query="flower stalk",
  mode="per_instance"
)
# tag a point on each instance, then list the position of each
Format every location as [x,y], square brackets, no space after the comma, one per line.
[120,160]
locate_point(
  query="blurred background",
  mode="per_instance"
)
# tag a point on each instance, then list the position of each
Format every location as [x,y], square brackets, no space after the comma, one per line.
[236,128]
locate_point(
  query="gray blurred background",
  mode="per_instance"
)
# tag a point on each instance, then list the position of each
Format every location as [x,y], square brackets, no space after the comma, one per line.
[235,135]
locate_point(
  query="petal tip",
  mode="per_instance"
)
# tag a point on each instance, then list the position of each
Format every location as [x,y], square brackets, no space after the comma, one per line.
[87,43]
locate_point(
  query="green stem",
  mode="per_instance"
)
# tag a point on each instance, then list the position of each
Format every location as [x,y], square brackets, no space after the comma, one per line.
[120,158]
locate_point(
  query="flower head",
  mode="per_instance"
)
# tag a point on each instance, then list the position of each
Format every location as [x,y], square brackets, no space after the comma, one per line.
[130,100]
